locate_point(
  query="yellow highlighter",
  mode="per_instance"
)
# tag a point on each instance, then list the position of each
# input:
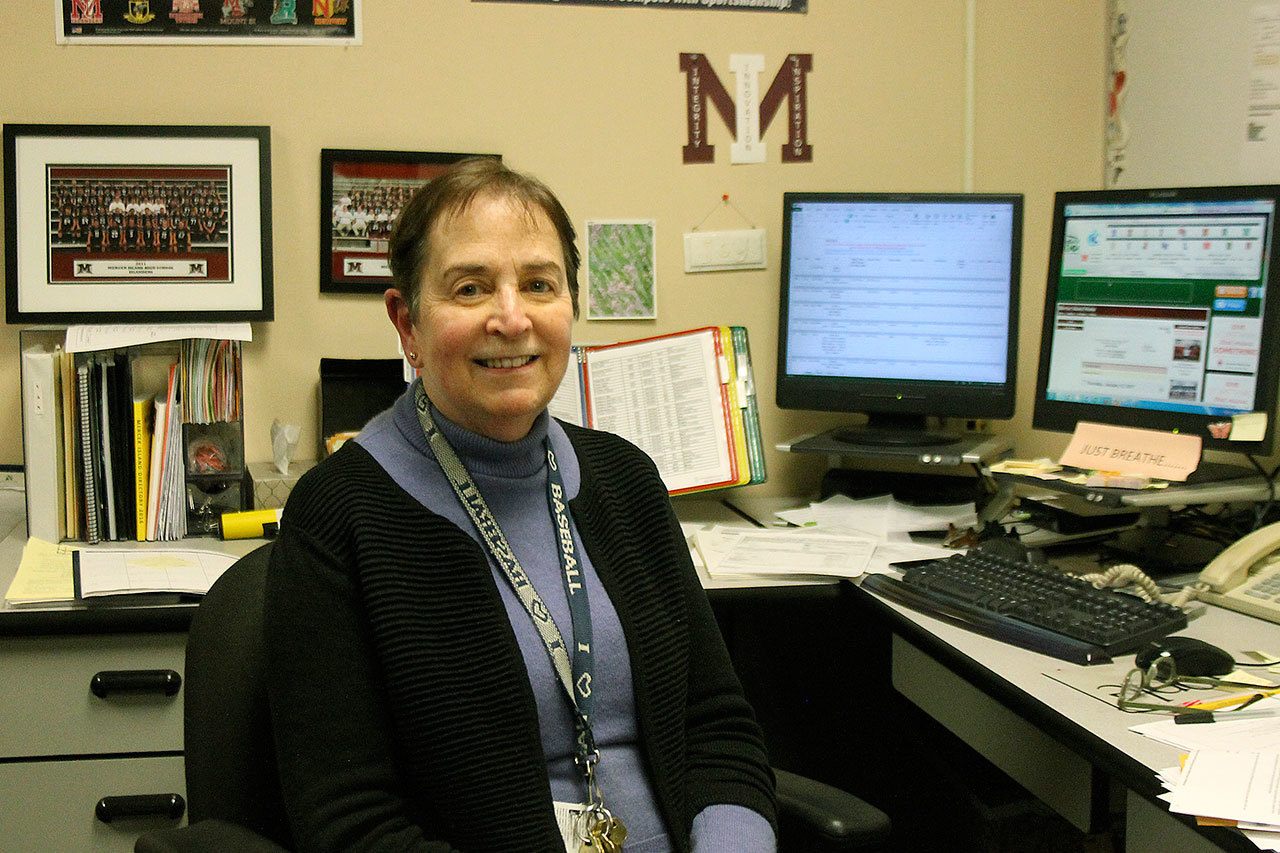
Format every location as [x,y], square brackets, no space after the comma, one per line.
[251,524]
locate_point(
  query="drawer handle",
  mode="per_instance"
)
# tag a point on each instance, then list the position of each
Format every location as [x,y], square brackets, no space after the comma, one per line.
[164,681]
[169,806]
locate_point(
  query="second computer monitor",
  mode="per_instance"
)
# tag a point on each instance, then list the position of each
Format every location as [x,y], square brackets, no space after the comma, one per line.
[1160,313]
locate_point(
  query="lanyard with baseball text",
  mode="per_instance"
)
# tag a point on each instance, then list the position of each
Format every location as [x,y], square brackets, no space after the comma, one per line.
[575,677]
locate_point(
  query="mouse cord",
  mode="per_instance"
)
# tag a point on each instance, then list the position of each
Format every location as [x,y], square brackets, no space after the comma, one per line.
[1125,575]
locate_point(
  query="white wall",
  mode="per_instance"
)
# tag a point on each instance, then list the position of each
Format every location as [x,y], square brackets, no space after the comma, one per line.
[592,101]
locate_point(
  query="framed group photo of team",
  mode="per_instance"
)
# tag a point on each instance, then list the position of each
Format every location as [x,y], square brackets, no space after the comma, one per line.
[361,196]
[130,224]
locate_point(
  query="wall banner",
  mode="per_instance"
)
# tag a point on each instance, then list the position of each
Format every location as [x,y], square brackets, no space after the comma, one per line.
[747,114]
[329,22]
[801,6]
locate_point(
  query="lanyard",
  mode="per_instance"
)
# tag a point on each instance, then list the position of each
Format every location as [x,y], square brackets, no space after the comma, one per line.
[575,677]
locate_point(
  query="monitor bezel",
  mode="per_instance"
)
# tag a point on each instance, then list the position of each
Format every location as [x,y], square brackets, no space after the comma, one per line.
[890,397]
[1062,416]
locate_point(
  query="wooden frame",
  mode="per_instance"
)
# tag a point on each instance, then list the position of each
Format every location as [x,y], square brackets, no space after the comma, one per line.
[121,223]
[361,193]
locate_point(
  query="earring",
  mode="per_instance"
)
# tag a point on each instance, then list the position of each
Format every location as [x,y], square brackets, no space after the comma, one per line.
[413,359]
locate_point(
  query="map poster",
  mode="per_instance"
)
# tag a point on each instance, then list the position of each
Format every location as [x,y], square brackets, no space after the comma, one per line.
[327,22]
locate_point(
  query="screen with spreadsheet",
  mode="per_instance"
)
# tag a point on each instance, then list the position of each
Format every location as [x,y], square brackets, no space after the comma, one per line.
[900,306]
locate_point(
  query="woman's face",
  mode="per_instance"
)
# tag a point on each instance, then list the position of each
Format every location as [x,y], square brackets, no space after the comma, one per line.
[494,317]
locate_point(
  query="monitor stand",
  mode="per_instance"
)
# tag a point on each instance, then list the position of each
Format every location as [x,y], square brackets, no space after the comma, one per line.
[1217,472]
[882,430]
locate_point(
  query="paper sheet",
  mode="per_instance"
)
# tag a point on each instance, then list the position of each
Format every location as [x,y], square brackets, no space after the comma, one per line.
[743,552]
[92,338]
[127,572]
[1231,785]
[44,574]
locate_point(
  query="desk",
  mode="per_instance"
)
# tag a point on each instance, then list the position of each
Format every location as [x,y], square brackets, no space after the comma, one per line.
[1052,739]
[62,748]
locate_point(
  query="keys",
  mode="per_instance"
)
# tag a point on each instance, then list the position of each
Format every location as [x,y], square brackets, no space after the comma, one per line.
[605,833]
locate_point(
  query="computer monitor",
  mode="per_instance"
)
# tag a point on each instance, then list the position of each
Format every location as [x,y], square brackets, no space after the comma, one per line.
[902,306]
[1161,312]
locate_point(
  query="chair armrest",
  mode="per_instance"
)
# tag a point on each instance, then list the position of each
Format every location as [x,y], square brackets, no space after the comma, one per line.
[206,836]
[826,817]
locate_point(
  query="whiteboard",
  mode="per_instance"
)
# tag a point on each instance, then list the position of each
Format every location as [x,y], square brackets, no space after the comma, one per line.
[1200,104]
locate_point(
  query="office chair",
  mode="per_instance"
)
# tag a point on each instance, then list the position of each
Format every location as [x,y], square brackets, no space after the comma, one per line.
[233,791]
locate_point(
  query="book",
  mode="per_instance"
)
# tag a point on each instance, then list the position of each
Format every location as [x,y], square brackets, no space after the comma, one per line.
[106,448]
[85,409]
[73,487]
[142,434]
[681,398]
[160,474]
[42,442]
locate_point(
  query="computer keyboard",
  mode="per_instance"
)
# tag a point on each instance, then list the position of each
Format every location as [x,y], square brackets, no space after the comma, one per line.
[1032,606]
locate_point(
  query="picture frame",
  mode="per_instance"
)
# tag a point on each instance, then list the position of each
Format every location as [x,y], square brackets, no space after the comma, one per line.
[190,22]
[137,223]
[361,192]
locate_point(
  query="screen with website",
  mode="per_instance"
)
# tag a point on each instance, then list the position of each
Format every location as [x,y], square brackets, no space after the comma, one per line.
[1160,305]
[906,290]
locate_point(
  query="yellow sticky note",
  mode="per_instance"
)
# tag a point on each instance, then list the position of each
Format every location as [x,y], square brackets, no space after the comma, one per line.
[1248,427]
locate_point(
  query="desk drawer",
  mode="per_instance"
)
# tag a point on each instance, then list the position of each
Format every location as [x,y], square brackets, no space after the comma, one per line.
[49,805]
[48,708]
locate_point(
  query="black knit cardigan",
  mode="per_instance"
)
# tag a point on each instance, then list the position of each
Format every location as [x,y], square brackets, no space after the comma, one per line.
[401,708]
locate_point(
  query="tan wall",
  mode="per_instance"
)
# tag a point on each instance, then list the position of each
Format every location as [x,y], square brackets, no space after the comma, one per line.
[592,101]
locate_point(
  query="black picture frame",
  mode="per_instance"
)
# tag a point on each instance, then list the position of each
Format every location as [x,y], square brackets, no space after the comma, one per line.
[137,223]
[353,239]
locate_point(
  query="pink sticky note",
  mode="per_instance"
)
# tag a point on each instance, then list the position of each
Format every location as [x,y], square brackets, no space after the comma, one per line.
[1143,452]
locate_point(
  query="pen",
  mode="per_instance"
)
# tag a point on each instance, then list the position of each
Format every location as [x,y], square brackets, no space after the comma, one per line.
[1210,717]
[1228,701]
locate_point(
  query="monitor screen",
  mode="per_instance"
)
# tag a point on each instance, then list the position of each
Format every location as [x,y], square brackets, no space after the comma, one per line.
[901,306]
[1160,313]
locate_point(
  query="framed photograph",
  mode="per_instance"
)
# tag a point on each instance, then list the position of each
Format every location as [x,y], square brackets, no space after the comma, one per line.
[200,22]
[361,194]
[137,224]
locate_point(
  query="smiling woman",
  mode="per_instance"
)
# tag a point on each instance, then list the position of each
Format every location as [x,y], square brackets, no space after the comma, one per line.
[439,568]
[491,330]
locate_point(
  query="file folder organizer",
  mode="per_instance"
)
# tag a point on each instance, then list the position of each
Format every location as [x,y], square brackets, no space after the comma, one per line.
[687,399]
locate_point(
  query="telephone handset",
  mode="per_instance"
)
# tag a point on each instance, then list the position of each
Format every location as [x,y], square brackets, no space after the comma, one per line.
[1246,576]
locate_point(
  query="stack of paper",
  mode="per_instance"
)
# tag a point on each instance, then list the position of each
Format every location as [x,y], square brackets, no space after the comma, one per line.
[736,553]
[1231,775]
[882,518]
[166,498]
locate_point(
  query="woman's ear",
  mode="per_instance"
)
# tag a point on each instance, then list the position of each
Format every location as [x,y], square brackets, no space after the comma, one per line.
[401,317]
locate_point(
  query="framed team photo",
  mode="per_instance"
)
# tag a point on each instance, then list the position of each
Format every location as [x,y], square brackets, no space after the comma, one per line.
[134,224]
[361,195]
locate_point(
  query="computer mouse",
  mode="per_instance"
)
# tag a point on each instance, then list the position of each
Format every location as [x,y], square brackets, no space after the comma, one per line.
[1190,656]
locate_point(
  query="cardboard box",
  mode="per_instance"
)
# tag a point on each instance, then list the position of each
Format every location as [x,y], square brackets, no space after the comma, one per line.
[270,487]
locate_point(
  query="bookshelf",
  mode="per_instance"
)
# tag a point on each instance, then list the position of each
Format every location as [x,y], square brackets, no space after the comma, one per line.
[129,444]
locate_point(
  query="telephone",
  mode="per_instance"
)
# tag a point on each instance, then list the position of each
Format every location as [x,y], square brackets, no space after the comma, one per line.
[1246,576]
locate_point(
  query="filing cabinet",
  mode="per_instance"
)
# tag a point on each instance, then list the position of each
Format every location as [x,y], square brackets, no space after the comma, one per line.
[85,718]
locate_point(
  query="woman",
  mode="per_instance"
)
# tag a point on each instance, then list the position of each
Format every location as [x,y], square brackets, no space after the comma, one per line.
[421,696]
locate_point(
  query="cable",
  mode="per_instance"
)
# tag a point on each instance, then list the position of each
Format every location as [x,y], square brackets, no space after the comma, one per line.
[1127,575]
[1262,510]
